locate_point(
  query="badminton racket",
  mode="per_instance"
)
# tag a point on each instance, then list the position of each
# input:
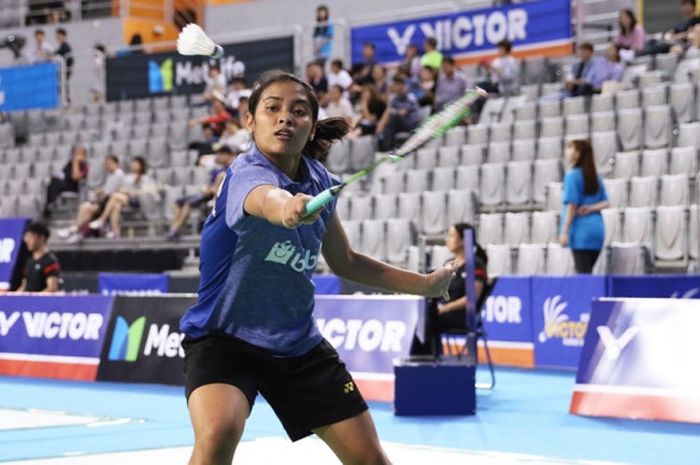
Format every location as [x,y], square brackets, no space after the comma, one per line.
[434,127]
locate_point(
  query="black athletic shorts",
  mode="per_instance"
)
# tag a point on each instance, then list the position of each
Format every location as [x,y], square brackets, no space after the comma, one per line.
[306,392]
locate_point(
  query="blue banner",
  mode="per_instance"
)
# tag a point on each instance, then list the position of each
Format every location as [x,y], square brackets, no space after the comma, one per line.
[507,315]
[560,311]
[29,87]
[326,284]
[369,332]
[132,283]
[53,325]
[11,232]
[673,286]
[532,25]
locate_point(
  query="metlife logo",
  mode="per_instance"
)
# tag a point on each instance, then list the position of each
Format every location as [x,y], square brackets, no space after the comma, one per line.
[144,344]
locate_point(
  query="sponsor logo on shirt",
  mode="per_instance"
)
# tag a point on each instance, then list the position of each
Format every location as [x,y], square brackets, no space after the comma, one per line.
[284,253]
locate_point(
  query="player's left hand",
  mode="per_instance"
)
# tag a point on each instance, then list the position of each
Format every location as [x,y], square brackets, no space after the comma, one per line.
[438,281]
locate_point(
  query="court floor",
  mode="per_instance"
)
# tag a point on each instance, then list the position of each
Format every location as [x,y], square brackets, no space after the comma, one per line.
[524,420]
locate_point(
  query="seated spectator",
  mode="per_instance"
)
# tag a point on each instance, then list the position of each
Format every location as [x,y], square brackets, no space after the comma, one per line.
[591,71]
[411,63]
[212,125]
[339,76]
[450,84]
[451,314]
[362,72]
[609,69]
[504,72]
[694,37]
[185,205]
[679,34]
[432,57]
[401,115]
[427,80]
[237,89]
[338,105]
[316,78]
[136,188]
[91,209]
[372,107]
[215,82]
[236,136]
[40,51]
[632,35]
[69,179]
[379,77]
[42,271]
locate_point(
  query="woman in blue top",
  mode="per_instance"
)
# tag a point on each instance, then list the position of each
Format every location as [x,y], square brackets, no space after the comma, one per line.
[252,328]
[582,226]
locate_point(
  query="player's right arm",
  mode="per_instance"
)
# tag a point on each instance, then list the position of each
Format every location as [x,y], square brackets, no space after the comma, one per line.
[278,206]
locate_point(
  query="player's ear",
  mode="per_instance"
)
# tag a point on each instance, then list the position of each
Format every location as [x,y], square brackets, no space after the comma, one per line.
[249,122]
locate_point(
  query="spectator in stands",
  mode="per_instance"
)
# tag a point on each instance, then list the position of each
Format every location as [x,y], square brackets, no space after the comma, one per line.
[432,57]
[236,136]
[362,72]
[65,51]
[69,179]
[427,81]
[401,115]
[504,72]
[323,35]
[581,82]
[136,188]
[372,107]
[212,125]
[339,76]
[338,105]
[316,78]
[450,84]
[41,50]
[215,82]
[135,45]
[582,228]
[42,271]
[237,89]
[694,37]
[632,35]
[92,208]
[411,63]
[184,206]
[98,86]
[451,314]
[679,34]
[610,69]
[379,77]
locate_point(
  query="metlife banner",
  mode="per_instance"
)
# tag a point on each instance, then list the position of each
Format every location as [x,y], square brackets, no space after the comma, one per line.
[560,311]
[139,76]
[29,87]
[640,361]
[52,336]
[538,27]
[11,232]
[143,341]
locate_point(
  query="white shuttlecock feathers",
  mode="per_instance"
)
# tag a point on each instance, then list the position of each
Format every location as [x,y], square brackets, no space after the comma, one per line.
[194,41]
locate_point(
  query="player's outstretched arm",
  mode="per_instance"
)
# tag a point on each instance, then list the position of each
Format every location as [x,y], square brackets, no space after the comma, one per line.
[358,267]
[278,206]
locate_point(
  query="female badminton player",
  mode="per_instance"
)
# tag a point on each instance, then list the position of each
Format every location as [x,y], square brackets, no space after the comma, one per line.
[252,330]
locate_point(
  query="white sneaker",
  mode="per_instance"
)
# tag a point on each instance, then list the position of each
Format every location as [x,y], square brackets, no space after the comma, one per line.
[65,233]
[110,235]
[96,224]
[74,238]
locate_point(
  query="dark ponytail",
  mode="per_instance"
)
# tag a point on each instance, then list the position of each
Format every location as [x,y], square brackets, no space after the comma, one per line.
[327,130]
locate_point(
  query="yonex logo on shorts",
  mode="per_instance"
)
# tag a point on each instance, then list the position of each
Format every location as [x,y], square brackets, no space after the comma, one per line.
[126,339]
[284,253]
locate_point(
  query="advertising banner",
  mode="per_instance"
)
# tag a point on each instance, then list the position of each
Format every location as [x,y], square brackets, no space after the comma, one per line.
[369,332]
[132,283]
[560,311]
[29,87]
[537,28]
[52,336]
[507,320]
[143,341]
[639,361]
[157,74]
[660,286]
[11,232]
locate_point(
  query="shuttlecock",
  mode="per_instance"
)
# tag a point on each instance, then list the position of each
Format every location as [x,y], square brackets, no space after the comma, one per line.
[194,41]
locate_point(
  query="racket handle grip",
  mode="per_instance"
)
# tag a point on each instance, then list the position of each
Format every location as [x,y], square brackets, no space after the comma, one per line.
[319,200]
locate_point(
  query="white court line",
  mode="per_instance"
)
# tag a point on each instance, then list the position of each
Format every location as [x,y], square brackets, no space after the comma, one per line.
[16,419]
[310,451]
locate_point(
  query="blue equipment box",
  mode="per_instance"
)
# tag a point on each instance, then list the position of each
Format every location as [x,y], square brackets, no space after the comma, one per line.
[434,388]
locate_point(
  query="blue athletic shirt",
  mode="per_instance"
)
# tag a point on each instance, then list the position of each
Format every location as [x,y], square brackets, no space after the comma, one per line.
[256,277]
[587,232]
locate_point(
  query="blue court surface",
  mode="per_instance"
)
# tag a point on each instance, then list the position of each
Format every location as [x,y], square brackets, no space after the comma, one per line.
[523,421]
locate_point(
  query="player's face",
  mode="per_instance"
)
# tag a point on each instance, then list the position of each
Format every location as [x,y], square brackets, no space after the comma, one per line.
[453,242]
[572,155]
[282,124]
[33,241]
